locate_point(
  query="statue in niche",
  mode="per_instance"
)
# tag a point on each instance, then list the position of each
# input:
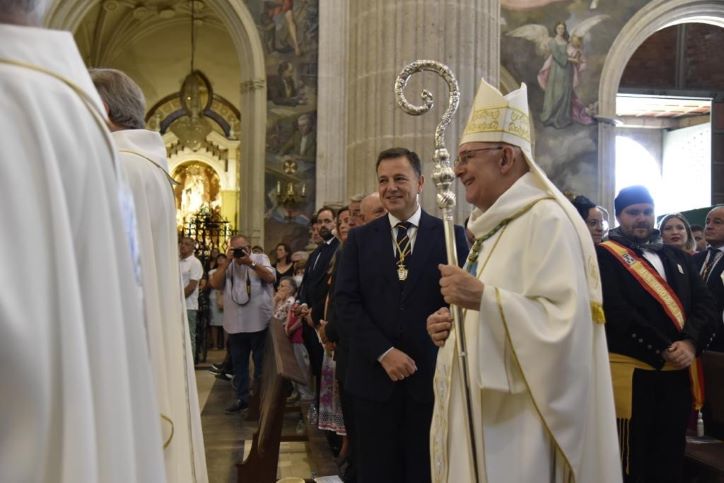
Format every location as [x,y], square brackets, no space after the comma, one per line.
[198,189]
[561,72]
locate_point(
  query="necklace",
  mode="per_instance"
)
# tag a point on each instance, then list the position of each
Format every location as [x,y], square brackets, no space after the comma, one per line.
[402,253]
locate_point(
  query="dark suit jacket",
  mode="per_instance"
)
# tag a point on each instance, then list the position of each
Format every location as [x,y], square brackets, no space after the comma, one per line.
[315,285]
[334,330]
[378,314]
[314,293]
[716,286]
[636,324]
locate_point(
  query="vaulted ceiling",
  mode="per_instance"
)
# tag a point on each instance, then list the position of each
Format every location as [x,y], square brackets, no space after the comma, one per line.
[150,40]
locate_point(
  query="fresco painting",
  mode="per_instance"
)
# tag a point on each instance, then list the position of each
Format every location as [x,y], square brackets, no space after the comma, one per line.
[558,49]
[289,30]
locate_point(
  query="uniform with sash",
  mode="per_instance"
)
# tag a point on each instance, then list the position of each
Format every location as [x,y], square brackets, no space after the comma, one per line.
[646,311]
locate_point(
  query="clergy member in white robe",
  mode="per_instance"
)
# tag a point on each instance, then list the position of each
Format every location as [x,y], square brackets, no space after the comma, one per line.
[142,155]
[78,403]
[540,387]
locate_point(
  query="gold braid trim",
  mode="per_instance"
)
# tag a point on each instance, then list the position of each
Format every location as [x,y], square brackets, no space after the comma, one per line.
[168,420]
[569,467]
[597,313]
[172,181]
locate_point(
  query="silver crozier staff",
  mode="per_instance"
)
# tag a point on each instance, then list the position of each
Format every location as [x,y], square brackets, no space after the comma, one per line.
[443,176]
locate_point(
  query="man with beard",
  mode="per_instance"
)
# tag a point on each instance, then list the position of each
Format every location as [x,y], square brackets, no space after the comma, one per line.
[659,316]
[315,287]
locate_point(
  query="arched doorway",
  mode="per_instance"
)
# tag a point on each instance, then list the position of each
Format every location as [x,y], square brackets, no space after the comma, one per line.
[655,16]
[238,21]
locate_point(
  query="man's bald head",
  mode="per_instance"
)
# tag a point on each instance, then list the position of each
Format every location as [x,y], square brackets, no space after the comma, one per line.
[371,208]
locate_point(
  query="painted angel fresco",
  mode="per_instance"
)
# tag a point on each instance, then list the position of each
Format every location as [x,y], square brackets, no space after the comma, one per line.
[561,71]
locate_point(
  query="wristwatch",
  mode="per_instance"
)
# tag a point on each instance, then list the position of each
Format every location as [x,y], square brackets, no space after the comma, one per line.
[253,265]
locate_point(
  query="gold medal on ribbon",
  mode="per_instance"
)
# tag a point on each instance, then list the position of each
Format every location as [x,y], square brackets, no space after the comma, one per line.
[401,272]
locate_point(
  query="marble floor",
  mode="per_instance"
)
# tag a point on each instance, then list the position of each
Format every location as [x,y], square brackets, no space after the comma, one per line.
[228,437]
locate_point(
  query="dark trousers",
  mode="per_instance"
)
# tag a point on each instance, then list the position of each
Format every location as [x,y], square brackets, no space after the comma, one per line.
[240,346]
[393,439]
[660,414]
[347,402]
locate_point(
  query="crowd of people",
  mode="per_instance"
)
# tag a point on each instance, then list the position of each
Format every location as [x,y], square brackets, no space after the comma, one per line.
[557,350]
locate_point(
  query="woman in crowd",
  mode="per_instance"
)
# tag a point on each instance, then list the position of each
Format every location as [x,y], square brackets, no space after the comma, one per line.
[676,231]
[283,265]
[594,217]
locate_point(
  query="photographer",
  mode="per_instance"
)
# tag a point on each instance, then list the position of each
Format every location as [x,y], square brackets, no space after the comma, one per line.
[247,284]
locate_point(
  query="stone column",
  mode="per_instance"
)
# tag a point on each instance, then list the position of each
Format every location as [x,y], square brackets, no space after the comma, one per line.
[384,36]
[331,108]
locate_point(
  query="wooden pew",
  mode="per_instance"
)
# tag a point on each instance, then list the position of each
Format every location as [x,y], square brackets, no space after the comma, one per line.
[279,366]
[705,460]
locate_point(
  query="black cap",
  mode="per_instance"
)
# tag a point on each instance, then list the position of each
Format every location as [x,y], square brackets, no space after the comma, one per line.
[632,195]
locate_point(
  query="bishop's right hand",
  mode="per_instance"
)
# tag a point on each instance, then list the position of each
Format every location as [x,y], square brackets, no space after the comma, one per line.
[439,324]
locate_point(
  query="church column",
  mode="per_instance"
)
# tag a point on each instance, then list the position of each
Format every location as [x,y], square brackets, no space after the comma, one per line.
[331,109]
[384,36]
[250,221]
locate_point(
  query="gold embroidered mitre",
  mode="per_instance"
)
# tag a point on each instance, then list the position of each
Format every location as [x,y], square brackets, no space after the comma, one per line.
[497,118]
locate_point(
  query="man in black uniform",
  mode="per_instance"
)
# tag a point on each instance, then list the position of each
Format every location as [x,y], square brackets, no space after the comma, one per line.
[659,316]
[710,263]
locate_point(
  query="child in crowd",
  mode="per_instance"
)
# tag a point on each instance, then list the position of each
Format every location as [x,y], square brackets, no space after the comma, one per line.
[287,310]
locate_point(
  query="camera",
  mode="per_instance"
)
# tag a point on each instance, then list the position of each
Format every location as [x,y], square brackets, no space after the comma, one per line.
[240,252]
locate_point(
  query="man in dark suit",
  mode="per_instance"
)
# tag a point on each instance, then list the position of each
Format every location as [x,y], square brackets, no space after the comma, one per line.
[659,316]
[387,284]
[710,263]
[315,286]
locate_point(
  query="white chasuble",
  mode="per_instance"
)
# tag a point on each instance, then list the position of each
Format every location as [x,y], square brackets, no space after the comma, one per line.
[538,364]
[142,157]
[78,403]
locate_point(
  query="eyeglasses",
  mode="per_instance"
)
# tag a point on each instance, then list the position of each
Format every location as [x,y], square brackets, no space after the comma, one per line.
[468,155]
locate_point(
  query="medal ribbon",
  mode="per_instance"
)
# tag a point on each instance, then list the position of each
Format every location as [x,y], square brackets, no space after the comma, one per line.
[402,248]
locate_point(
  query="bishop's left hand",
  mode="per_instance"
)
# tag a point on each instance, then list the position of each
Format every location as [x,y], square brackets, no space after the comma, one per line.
[460,288]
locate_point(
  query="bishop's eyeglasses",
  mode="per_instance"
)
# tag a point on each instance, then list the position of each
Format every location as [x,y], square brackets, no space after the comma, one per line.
[466,156]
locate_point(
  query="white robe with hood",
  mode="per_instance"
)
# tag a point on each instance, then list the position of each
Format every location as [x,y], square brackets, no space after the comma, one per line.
[78,403]
[540,382]
[143,159]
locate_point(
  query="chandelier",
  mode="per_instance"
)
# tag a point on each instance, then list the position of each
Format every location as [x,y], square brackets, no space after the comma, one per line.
[196,96]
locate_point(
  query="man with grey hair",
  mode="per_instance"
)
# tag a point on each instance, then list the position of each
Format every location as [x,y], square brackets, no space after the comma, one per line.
[371,208]
[355,202]
[142,156]
[85,409]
